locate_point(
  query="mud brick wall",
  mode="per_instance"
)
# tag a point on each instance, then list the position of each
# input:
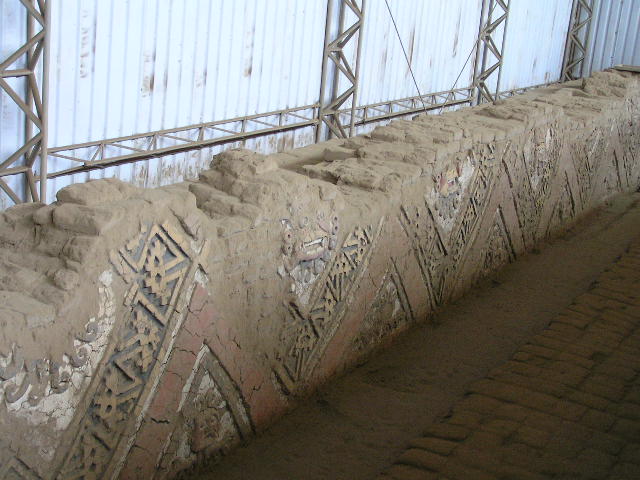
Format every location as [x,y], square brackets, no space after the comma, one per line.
[142,330]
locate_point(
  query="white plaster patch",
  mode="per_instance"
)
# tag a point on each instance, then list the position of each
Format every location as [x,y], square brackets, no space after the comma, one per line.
[196,365]
[434,197]
[60,407]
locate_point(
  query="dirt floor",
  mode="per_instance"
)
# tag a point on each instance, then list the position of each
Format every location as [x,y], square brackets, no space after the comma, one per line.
[360,423]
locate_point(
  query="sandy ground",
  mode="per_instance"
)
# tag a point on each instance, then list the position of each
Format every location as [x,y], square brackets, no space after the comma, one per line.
[358,424]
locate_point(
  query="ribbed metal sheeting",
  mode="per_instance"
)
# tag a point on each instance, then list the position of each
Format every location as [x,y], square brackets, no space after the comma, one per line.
[535,41]
[13,32]
[121,67]
[615,35]
[437,36]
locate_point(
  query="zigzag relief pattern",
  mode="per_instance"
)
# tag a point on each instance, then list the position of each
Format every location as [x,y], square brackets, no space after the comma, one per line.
[498,249]
[474,205]
[214,416]
[541,159]
[525,198]
[429,247]
[11,468]
[306,335]
[629,138]
[389,313]
[156,265]
[565,208]
[584,162]
[437,254]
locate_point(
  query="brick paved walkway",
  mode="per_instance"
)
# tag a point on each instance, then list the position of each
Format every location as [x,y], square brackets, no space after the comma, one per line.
[566,406]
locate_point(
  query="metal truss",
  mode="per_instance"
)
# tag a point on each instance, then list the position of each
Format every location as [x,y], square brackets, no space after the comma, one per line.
[334,50]
[117,151]
[517,91]
[29,92]
[405,106]
[577,39]
[489,54]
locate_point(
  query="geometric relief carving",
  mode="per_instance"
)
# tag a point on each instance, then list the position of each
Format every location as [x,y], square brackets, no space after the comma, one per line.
[436,254]
[498,250]
[23,378]
[477,199]
[612,175]
[585,163]
[429,247]
[307,247]
[541,156]
[213,417]
[307,333]
[448,192]
[13,469]
[630,139]
[389,312]
[629,134]
[524,199]
[155,265]
[564,210]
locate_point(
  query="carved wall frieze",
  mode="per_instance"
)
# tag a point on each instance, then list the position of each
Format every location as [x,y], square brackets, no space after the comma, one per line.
[32,380]
[585,164]
[565,208]
[307,333]
[213,416]
[11,468]
[158,267]
[472,209]
[307,248]
[390,312]
[498,250]
[629,137]
[541,156]
[430,247]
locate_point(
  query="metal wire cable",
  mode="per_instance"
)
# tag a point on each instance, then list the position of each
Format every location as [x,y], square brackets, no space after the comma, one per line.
[462,69]
[405,53]
[473,48]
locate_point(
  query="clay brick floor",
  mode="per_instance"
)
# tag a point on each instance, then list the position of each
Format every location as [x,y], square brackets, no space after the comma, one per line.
[533,389]
[566,405]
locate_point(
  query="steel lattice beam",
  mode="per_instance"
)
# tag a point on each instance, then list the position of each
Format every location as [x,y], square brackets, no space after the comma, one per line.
[32,102]
[344,70]
[577,39]
[517,91]
[489,54]
[87,156]
[376,112]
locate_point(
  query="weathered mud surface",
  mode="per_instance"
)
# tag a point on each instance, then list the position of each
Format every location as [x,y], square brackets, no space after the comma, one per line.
[359,424]
[143,330]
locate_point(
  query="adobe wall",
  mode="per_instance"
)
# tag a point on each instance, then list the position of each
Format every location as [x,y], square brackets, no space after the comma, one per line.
[142,330]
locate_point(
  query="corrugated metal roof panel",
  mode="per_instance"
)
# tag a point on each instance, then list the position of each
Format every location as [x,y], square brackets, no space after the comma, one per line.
[13,33]
[534,45]
[438,38]
[615,35]
[122,67]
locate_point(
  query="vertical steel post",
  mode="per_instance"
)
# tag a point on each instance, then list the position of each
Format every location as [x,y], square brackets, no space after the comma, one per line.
[28,124]
[578,37]
[45,100]
[354,99]
[334,50]
[485,68]
[32,102]
[324,73]
[502,47]
[479,54]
